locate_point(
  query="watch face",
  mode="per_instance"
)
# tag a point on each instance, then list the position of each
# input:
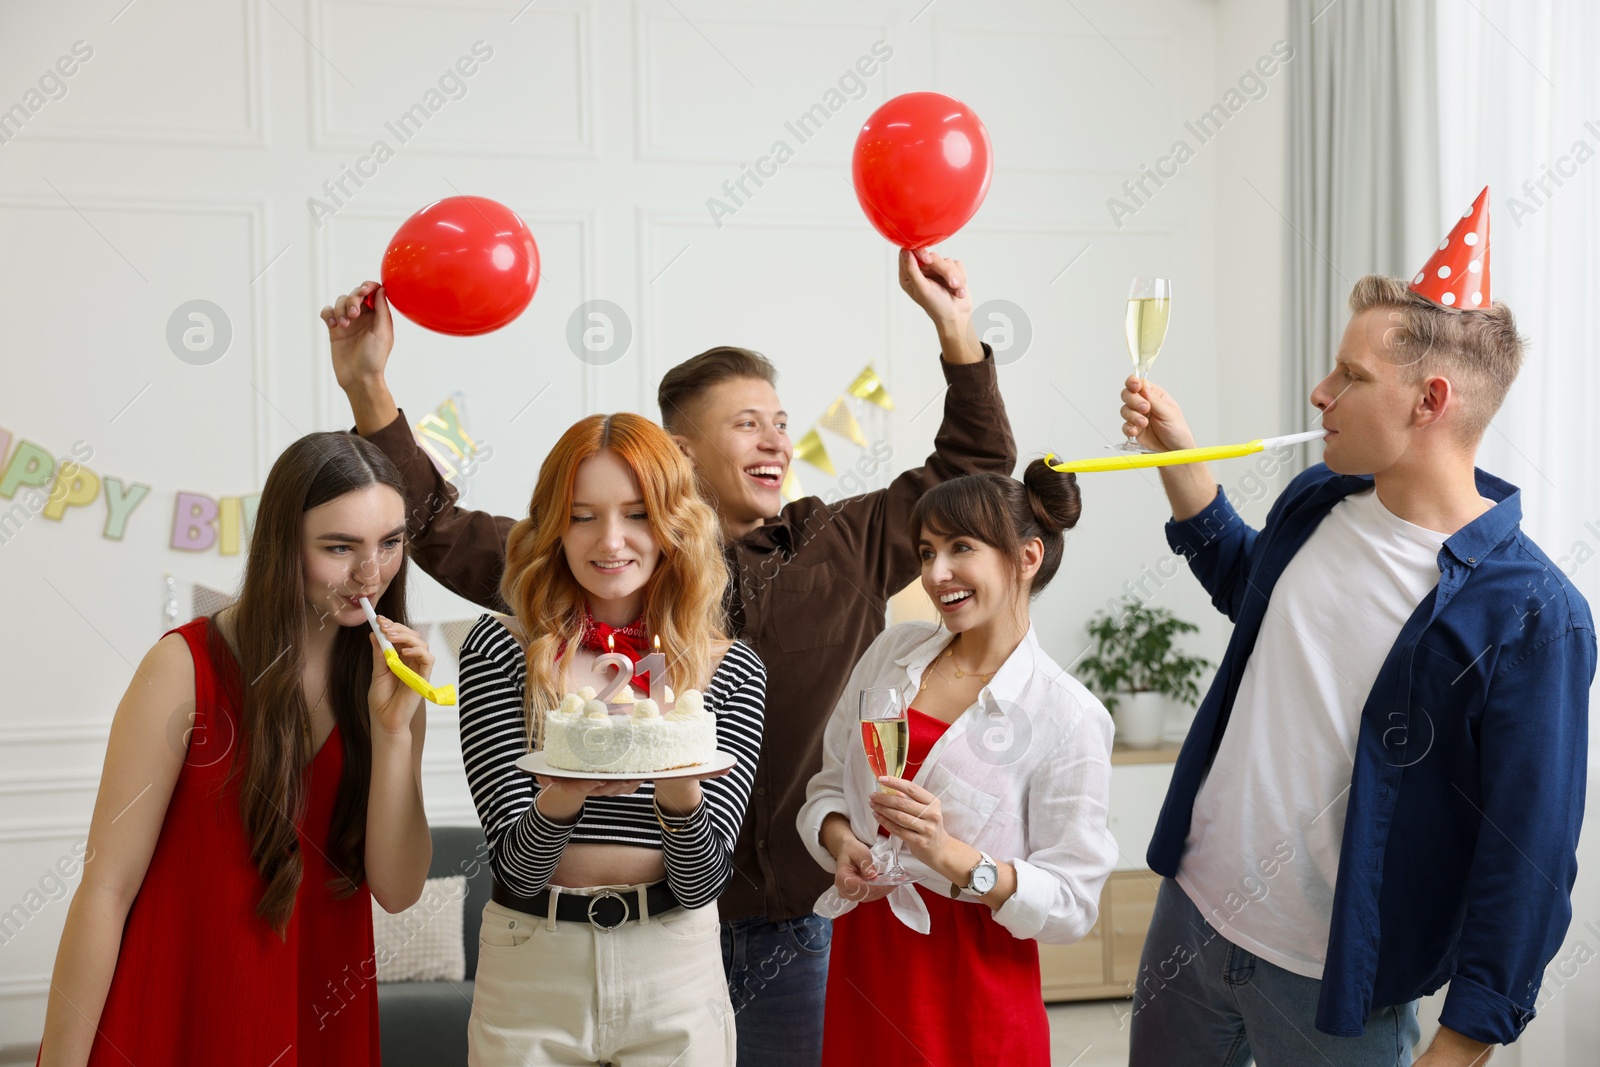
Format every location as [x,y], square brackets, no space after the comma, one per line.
[984,878]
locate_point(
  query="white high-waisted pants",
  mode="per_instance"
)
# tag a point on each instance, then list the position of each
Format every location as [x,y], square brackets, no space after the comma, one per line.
[644,994]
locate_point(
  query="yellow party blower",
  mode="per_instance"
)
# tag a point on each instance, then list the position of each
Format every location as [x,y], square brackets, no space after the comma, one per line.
[444,694]
[1128,461]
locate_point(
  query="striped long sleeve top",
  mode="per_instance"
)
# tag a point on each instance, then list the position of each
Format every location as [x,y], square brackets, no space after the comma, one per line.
[525,847]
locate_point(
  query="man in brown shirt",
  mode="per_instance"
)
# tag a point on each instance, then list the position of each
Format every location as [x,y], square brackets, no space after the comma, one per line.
[810,587]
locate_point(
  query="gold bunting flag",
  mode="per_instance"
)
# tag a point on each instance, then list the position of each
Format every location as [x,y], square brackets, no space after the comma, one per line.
[841,420]
[811,449]
[791,486]
[869,387]
[445,439]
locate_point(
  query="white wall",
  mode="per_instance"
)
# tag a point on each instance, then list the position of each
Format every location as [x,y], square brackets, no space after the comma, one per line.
[1251,199]
[179,163]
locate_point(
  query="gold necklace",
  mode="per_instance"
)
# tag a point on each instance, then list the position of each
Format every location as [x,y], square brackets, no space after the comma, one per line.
[305,716]
[949,654]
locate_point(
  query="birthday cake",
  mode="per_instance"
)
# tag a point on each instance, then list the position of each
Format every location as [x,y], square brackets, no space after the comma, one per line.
[584,735]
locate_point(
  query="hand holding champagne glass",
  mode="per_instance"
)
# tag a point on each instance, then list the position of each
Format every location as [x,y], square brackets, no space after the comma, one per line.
[886,736]
[1145,323]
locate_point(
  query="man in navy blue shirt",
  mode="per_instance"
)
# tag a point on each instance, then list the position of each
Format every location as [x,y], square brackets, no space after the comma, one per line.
[1383,788]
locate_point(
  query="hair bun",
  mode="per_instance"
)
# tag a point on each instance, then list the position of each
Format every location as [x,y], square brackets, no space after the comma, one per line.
[1053,496]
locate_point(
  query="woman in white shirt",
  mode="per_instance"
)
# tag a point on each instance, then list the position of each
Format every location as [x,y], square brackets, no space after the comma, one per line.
[1001,815]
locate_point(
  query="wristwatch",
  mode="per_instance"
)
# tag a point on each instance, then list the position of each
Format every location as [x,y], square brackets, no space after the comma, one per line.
[982,878]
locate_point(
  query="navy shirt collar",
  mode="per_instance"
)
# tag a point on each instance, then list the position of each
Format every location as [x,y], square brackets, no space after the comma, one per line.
[1475,540]
[1471,544]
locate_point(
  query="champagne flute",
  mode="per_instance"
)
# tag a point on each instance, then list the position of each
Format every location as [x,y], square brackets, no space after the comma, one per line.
[1149,303]
[886,736]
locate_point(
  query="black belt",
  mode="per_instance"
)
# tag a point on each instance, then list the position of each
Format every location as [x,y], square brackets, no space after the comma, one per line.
[604,910]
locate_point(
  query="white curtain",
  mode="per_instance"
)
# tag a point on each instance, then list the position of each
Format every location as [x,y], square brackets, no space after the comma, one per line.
[1400,111]
[1520,103]
[1521,96]
[1363,174]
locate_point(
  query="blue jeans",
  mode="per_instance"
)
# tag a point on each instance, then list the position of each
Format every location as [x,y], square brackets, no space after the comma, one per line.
[778,982]
[1202,1000]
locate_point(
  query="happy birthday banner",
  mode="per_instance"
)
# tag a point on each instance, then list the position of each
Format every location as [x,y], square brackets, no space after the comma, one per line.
[200,521]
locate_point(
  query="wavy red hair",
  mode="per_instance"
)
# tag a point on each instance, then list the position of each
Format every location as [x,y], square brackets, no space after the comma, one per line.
[683,596]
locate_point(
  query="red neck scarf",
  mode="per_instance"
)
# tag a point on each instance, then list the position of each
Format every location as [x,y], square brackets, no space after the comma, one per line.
[629,640]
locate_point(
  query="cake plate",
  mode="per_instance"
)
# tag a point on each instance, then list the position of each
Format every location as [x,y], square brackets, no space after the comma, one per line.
[535,763]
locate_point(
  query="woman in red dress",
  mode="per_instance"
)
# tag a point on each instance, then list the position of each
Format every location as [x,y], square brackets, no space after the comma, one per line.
[1000,813]
[262,775]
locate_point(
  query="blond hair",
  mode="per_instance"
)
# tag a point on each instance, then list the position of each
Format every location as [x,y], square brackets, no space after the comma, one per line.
[1477,349]
[683,597]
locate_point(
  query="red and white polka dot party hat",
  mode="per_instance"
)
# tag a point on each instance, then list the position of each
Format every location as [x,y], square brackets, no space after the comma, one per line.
[1457,275]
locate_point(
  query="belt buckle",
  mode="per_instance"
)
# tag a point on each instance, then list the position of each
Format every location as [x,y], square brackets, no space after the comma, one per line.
[603,895]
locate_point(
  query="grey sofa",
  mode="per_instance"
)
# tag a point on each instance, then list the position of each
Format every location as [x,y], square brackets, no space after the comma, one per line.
[424,1024]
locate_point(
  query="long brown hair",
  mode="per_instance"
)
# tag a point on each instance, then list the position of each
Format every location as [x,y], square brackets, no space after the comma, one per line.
[270,626]
[683,597]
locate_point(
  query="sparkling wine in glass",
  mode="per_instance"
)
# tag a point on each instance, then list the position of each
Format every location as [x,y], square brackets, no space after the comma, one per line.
[1145,323]
[886,736]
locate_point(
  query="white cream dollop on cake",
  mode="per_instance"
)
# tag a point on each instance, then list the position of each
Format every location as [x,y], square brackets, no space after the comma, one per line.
[582,735]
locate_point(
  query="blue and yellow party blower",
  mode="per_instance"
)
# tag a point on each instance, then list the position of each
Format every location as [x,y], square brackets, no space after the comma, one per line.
[1128,461]
[444,694]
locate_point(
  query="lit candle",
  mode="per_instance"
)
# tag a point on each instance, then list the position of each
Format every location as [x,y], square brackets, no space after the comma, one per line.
[656,665]
[624,675]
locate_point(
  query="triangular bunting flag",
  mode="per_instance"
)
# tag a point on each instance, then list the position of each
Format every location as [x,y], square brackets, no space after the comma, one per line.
[791,486]
[444,438]
[869,387]
[455,632]
[811,449]
[841,420]
[204,600]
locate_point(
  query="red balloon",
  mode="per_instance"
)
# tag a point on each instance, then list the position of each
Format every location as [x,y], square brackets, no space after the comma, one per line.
[921,168]
[463,265]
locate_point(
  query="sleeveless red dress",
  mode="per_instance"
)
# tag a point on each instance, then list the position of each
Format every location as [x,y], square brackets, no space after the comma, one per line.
[966,992]
[200,979]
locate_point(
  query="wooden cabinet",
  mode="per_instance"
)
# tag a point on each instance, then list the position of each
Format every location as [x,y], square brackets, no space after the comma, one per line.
[1130,897]
[1106,962]
[1076,966]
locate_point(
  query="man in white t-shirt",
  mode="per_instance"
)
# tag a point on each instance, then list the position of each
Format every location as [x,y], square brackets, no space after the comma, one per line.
[1278,784]
[1382,790]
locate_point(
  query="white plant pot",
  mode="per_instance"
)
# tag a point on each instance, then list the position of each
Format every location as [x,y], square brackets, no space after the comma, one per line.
[1180,716]
[1140,718]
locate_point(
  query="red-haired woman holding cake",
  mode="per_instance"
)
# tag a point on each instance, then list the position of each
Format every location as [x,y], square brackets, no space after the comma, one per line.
[600,944]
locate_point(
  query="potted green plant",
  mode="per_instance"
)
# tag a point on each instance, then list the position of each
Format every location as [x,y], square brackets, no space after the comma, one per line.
[1135,668]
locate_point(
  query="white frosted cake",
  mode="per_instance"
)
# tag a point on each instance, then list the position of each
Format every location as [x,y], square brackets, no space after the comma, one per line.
[581,735]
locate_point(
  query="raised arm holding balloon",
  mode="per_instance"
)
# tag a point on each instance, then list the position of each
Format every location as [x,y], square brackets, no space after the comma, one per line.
[361,341]
[939,287]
